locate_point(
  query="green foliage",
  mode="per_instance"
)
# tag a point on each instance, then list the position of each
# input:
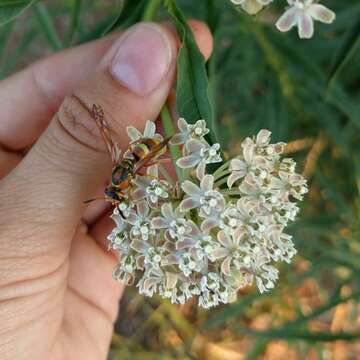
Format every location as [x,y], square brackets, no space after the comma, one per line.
[10,9]
[192,85]
[305,92]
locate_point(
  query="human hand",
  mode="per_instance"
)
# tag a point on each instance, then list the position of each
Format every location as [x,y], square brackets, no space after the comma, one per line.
[57,297]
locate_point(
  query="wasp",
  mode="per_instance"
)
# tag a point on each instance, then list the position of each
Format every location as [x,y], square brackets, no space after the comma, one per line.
[141,153]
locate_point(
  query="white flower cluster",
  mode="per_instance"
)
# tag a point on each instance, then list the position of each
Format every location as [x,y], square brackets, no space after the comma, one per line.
[300,13]
[208,235]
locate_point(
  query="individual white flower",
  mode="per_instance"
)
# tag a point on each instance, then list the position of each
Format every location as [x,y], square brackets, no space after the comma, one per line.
[156,280]
[149,132]
[150,187]
[173,221]
[266,277]
[285,212]
[199,154]
[125,207]
[140,221]
[233,250]
[149,256]
[189,289]
[289,184]
[226,219]
[189,131]
[204,197]
[122,276]
[302,14]
[119,240]
[251,162]
[200,240]
[252,6]
[125,270]
[254,190]
[210,284]
[280,245]
[247,217]
[191,261]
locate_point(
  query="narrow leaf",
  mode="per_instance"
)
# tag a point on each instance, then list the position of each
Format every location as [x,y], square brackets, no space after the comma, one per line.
[130,13]
[192,84]
[10,9]
[47,26]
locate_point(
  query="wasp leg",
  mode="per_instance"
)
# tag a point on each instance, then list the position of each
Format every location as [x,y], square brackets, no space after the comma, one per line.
[158,161]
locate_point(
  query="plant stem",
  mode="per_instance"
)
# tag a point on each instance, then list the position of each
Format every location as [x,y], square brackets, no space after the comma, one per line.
[169,131]
[221,182]
[230,192]
[222,171]
[151,10]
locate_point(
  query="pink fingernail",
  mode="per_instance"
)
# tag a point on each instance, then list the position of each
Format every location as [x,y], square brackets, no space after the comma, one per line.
[143,59]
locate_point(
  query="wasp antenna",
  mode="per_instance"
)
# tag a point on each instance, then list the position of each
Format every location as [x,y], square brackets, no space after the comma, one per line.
[93,199]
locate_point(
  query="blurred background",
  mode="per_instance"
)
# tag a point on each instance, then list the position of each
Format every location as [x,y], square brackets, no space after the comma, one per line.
[308,94]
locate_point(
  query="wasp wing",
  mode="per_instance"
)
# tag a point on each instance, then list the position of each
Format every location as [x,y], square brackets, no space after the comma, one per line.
[113,149]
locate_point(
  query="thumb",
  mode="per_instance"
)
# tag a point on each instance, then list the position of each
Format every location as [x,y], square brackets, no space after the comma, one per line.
[69,161]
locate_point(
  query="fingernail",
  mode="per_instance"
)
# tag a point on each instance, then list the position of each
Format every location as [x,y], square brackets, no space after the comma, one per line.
[143,59]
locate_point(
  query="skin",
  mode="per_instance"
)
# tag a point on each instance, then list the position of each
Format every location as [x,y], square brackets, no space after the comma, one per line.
[57,297]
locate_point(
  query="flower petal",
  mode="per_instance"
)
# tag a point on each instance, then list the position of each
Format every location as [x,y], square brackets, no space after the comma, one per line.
[191,189]
[188,204]
[248,150]
[322,13]
[288,20]
[224,239]
[170,260]
[186,242]
[142,209]
[236,175]
[138,194]
[237,165]
[219,253]
[263,137]
[207,183]
[182,125]
[150,129]
[132,218]
[167,211]
[171,280]
[133,133]
[178,139]
[194,145]
[159,223]
[139,246]
[225,266]
[252,7]
[208,224]
[200,170]
[188,161]
[306,26]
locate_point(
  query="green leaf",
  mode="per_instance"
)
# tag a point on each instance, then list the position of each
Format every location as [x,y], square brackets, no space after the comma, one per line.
[11,59]
[47,26]
[74,22]
[192,84]
[130,13]
[299,335]
[347,51]
[10,9]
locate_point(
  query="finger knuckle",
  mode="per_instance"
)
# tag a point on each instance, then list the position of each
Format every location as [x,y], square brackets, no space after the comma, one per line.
[76,124]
